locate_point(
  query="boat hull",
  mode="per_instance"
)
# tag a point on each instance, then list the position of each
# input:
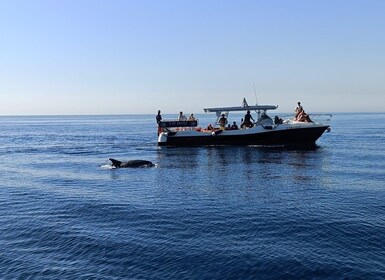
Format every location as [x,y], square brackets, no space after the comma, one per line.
[279,136]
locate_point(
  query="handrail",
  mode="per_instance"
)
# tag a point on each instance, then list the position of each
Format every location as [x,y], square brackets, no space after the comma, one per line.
[316,117]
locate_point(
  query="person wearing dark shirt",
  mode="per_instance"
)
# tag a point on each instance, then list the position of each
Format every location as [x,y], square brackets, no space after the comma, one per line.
[158,120]
[248,117]
[158,117]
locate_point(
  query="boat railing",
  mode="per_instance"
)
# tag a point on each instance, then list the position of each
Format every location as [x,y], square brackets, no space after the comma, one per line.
[176,125]
[321,118]
[316,118]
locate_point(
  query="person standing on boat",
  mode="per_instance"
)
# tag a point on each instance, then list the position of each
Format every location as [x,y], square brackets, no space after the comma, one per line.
[158,120]
[248,117]
[223,122]
[182,117]
[158,117]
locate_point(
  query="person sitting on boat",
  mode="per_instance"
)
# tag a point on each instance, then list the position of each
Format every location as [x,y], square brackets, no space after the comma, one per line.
[234,126]
[182,117]
[300,115]
[303,117]
[210,127]
[248,117]
[191,117]
[223,122]
[278,120]
[298,110]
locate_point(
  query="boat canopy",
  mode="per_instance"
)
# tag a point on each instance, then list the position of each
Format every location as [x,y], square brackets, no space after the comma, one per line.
[241,108]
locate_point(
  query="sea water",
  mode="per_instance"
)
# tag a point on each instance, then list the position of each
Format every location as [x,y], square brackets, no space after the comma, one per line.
[201,213]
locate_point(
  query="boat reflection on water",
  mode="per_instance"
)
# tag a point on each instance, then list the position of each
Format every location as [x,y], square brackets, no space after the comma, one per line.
[240,167]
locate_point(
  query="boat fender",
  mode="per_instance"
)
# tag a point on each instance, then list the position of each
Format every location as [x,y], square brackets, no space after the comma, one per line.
[163,137]
[216,132]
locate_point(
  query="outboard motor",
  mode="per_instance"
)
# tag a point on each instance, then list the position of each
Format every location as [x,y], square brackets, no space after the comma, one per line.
[163,137]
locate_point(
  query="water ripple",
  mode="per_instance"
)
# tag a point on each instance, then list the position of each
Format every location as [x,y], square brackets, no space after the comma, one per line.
[202,213]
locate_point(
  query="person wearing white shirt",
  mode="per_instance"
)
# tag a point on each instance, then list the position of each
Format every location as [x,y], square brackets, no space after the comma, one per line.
[182,117]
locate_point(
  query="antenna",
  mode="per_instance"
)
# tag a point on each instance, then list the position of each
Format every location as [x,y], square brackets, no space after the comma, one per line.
[256,102]
[255,93]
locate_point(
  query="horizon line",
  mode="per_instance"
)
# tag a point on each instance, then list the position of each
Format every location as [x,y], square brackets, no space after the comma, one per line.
[176,113]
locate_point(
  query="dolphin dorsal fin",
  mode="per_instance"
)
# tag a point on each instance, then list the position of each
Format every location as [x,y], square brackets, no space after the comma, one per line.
[115,162]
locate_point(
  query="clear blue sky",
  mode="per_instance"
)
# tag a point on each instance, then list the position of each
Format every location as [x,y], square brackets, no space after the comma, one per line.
[122,56]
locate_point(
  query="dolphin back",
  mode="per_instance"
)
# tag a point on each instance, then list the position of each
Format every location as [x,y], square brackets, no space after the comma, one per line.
[138,163]
[115,163]
[131,163]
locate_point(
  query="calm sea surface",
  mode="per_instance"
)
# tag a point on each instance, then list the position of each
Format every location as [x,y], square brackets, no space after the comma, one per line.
[201,213]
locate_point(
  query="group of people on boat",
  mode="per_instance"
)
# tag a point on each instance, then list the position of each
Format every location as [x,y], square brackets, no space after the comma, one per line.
[247,122]
[234,126]
[222,123]
[182,117]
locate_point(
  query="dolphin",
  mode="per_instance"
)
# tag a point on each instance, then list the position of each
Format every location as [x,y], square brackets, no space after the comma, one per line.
[131,163]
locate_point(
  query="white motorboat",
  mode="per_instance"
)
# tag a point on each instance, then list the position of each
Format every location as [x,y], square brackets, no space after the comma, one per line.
[264,131]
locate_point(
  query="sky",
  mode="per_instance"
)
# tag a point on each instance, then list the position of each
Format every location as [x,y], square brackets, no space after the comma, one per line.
[135,57]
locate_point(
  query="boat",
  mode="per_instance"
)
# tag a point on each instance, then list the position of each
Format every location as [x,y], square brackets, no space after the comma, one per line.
[264,131]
